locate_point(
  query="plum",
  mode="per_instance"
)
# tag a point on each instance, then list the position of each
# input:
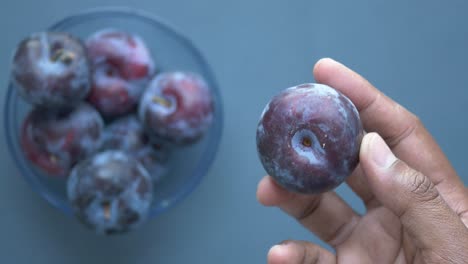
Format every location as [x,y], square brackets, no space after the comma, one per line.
[110,192]
[308,138]
[127,134]
[155,159]
[112,95]
[51,69]
[54,140]
[122,68]
[177,107]
[127,52]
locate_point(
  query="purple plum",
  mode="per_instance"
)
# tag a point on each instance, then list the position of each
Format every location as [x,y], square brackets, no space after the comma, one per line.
[51,69]
[122,68]
[54,140]
[177,107]
[308,138]
[110,192]
[127,134]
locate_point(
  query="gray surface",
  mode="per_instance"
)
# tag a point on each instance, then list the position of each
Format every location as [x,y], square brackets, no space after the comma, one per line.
[415,52]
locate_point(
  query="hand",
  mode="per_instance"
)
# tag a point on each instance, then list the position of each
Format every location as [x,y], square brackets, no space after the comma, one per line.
[417,206]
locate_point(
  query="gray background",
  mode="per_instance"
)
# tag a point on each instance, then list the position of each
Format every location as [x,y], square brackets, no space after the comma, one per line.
[415,51]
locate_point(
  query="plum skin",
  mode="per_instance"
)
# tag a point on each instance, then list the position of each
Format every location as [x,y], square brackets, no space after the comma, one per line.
[177,107]
[110,192]
[122,67]
[125,51]
[51,69]
[54,140]
[112,95]
[127,134]
[308,138]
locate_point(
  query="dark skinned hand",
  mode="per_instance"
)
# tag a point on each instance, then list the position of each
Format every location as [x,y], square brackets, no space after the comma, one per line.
[416,204]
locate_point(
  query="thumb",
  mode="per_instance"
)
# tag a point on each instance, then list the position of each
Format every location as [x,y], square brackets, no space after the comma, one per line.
[409,194]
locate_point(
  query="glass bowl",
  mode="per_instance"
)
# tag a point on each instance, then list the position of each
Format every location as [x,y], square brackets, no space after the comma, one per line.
[172,51]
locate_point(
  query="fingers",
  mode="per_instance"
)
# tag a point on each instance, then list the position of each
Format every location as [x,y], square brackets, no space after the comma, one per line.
[401,129]
[411,196]
[299,252]
[378,112]
[326,215]
[358,183]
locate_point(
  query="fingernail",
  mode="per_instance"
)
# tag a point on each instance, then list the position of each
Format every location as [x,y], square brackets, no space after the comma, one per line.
[380,152]
[326,59]
[276,250]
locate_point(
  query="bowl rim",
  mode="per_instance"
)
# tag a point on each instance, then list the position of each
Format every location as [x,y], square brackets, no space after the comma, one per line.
[208,154]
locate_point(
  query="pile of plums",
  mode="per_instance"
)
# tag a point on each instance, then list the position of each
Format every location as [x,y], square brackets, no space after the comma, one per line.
[104,118]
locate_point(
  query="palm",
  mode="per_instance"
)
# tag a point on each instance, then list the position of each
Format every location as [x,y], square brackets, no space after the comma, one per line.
[377,238]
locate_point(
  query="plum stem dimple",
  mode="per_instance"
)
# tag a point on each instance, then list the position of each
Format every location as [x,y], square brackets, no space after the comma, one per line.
[162,101]
[63,56]
[53,158]
[109,72]
[107,211]
[306,142]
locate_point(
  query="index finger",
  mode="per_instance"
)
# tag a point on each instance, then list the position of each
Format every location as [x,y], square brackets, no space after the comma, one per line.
[401,129]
